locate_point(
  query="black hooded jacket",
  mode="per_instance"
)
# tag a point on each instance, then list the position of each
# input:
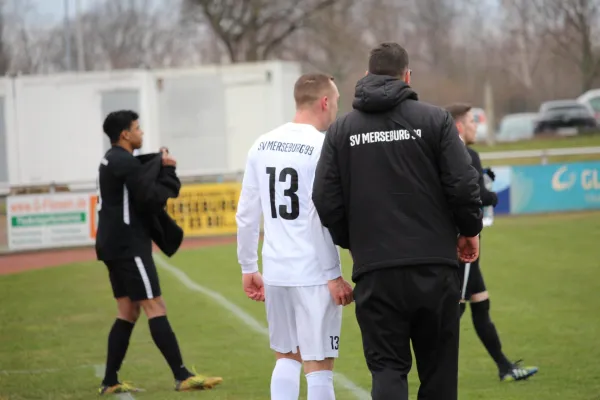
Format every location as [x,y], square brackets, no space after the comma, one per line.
[133,194]
[392,195]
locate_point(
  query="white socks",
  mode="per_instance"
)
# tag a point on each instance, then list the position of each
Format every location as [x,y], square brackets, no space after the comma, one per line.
[285,381]
[320,385]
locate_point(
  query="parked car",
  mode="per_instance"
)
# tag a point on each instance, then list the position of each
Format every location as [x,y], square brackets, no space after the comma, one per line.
[591,98]
[565,118]
[481,120]
[515,127]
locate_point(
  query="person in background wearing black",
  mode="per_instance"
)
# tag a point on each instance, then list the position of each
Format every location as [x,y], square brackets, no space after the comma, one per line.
[133,192]
[475,291]
[394,185]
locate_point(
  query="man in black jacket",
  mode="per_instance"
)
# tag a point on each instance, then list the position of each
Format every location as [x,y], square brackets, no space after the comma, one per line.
[394,185]
[133,192]
[475,290]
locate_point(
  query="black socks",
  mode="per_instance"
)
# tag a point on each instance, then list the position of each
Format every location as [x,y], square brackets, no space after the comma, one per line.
[165,340]
[118,342]
[488,335]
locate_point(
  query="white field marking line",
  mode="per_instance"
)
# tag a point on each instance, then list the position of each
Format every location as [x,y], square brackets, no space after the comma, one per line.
[42,370]
[50,370]
[99,368]
[358,392]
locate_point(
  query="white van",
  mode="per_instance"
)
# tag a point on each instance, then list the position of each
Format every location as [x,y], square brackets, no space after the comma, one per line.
[591,98]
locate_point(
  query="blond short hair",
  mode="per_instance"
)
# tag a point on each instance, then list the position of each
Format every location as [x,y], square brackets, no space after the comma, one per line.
[311,87]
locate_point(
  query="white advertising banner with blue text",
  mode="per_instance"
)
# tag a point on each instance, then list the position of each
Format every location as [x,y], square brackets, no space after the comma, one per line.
[41,221]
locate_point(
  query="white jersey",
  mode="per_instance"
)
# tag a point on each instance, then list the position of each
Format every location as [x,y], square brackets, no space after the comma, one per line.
[280,170]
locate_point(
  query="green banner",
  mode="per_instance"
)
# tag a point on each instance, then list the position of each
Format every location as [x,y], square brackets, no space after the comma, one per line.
[48,219]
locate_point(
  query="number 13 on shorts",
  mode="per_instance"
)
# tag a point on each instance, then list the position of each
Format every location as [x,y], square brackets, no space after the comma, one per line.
[335,342]
[305,317]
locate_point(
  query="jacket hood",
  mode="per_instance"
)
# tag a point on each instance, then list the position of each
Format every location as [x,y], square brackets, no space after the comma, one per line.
[379,93]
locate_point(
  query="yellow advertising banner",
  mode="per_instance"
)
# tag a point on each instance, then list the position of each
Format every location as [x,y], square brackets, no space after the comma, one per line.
[206,209]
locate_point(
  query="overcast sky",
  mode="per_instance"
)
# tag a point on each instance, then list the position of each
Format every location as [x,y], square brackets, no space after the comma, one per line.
[50,12]
[55,9]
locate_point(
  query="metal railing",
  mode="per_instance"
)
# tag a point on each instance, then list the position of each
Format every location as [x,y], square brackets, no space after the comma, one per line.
[543,154]
[236,176]
[83,186]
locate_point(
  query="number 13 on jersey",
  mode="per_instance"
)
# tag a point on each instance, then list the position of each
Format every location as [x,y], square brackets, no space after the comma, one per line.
[291,191]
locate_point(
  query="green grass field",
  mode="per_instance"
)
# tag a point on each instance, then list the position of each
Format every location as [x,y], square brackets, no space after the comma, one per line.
[542,273]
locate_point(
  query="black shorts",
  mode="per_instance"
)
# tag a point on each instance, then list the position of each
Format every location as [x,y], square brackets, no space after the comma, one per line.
[475,283]
[135,278]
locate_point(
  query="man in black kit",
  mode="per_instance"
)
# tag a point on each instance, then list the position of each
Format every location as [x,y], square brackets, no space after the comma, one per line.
[476,293]
[394,185]
[133,192]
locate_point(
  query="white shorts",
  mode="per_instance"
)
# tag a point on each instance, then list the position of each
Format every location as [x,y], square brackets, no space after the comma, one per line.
[304,317]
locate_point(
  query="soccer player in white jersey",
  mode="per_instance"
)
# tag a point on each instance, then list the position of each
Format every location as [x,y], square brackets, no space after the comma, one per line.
[303,288]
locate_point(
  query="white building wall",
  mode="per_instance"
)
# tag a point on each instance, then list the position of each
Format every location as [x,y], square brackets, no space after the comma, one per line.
[208,117]
[258,100]
[57,134]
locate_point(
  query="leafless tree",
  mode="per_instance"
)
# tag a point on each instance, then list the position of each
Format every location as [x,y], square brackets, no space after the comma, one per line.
[4,54]
[24,36]
[332,42]
[121,34]
[387,20]
[434,23]
[574,26]
[128,34]
[524,39]
[252,30]
[529,50]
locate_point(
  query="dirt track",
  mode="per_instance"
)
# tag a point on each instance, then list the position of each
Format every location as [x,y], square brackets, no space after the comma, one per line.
[14,263]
